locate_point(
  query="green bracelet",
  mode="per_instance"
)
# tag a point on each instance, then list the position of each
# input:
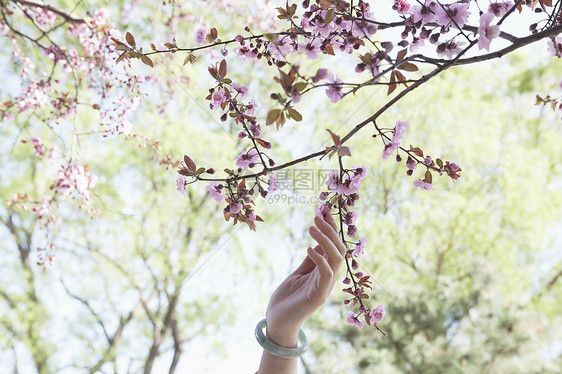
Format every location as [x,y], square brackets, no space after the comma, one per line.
[277,350]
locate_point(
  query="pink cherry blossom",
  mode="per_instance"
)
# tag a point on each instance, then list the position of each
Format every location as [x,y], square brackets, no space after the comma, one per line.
[486,31]
[456,12]
[321,74]
[245,52]
[180,185]
[454,167]
[218,97]
[235,207]
[416,44]
[424,13]
[333,181]
[247,159]
[241,89]
[201,35]
[334,91]
[250,109]
[281,48]
[42,16]
[500,9]
[250,215]
[324,210]
[351,231]
[39,147]
[74,177]
[360,247]
[377,314]
[401,6]
[350,218]
[353,320]
[42,209]
[311,49]
[399,132]
[360,172]
[348,186]
[423,185]
[450,49]
[389,149]
[215,189]
[320,28]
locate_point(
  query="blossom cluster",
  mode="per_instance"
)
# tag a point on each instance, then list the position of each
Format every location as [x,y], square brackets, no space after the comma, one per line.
[89,63]
[415,156]
[343,192]
[231,98]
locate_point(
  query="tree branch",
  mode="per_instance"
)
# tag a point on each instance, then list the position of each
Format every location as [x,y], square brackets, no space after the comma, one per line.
[67,17]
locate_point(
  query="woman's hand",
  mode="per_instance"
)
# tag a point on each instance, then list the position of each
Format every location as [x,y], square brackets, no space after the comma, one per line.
[308,287]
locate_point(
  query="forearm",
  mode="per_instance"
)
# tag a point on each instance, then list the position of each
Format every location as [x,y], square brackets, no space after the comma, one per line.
[271,364]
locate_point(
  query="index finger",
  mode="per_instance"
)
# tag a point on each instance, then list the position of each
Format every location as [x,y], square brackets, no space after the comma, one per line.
[330,220]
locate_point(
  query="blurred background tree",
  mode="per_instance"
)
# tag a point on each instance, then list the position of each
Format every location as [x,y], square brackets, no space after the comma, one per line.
[470,273]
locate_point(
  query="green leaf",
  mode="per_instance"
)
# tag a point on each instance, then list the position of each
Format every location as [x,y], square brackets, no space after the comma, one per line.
[329,16]
[301,86]
[408,66]
[272,116]
[294,114]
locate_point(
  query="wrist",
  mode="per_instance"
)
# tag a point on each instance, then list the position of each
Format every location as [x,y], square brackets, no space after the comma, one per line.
[284,336]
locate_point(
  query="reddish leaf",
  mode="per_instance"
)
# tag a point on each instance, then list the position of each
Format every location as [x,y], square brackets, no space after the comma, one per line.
[428,177]
[280,121]
[223,69]
[417,151]
[117,42]
[213,33]
[401,54]
[252,226]
[189,163]
[335,138]
[130,39]
[344,151]
[392,85]
[120,58]
[400,77]
[147,61]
